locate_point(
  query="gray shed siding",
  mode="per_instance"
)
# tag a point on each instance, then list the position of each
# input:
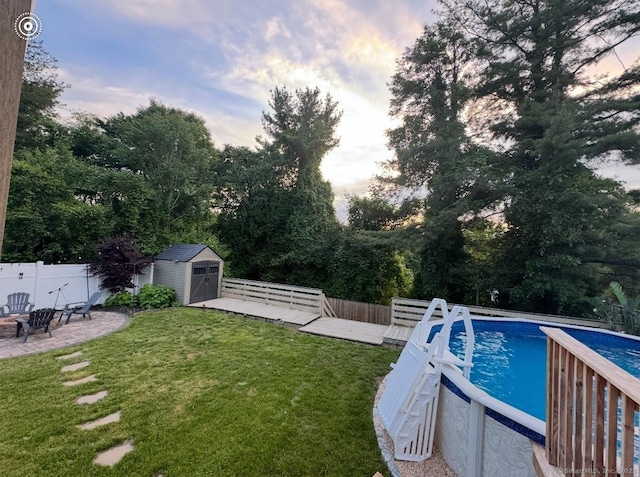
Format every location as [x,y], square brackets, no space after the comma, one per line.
[172,274]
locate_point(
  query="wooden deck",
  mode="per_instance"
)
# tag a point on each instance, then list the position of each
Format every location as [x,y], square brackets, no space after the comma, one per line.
[347,330]
[358,331]
[259,310]
[397,335]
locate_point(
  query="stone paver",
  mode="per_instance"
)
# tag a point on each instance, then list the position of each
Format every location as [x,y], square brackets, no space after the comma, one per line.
[69,356]
[103,421]
[75,367]
[77,331]
[91,398]
[88,379]
[112,456]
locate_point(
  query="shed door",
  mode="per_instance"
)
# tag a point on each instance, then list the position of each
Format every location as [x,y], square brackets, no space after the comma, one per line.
[204,281]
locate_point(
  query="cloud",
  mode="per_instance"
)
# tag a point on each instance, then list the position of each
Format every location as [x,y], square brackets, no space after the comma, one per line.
[275,28]
[340,48]
[627,175]
[103,99]
[167,13]
[91,94]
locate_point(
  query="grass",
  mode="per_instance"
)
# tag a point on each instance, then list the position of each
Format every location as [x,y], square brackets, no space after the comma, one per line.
[201,393]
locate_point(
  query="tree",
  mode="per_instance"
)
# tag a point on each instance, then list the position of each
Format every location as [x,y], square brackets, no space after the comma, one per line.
[367,267]
[556,121]
[254,209]
[377,213]
[278,215]
[161,161]
[302,129]
[430,91]
[45,219]
[119,259]
[39,97]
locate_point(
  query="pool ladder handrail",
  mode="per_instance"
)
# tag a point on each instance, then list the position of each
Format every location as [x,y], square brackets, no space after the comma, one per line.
[421,332]
[412,424]
[458,312]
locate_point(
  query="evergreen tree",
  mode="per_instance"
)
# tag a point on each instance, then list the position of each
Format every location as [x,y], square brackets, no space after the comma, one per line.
[430,91]
[557,120]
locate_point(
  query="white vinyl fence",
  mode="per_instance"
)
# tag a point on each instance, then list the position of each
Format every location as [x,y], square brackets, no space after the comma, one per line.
[43,281]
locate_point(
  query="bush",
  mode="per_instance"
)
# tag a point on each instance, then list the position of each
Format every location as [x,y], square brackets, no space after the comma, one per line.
[156,296]
[119,259]
[123,298]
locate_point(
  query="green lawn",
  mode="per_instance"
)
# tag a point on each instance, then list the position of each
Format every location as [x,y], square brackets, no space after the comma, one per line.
[201,393]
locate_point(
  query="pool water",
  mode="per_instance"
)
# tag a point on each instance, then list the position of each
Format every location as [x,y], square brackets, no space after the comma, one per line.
[509,359]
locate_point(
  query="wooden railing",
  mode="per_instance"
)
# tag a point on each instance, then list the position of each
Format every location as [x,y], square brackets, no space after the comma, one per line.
[360,311]
[592,409]
[406,312]
[286,296]
[327,309]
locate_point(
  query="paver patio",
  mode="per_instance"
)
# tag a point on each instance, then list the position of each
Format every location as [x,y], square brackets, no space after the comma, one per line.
[77,331]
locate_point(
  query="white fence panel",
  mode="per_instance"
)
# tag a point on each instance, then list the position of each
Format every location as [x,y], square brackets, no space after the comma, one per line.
[42,282]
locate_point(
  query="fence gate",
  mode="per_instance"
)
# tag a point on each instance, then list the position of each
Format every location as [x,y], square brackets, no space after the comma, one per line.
[204,281]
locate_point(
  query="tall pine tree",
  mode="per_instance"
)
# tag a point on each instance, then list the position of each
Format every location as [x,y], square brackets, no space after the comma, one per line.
[557,121]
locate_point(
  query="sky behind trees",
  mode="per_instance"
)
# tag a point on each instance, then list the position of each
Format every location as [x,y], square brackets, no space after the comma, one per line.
[221,58]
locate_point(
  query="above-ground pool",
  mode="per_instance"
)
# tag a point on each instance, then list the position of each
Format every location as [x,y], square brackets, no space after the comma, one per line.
[509,358]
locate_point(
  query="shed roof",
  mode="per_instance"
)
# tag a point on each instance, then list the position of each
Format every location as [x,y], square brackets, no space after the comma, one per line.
[181,252]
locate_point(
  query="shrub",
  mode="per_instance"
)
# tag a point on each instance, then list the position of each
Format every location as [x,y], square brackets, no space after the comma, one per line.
[157,296]
[119,259]
[124,298]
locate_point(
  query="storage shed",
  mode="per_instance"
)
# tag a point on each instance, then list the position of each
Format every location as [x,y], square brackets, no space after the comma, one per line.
[194,271]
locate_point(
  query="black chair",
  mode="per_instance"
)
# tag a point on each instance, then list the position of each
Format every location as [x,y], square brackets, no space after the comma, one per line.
[37,319]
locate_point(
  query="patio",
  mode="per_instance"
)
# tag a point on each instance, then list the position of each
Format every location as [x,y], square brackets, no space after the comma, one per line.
[77,331]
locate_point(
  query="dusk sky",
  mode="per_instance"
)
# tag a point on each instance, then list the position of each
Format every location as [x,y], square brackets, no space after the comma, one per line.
[221,58]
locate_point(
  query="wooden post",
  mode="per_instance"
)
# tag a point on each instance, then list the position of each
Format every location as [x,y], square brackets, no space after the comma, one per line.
[11,65]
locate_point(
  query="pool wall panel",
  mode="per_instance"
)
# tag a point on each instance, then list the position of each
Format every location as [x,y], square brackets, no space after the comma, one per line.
[505,452]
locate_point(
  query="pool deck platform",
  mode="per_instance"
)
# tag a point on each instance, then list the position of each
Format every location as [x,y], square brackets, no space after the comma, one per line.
[259,310]
[347,330]
[306,322]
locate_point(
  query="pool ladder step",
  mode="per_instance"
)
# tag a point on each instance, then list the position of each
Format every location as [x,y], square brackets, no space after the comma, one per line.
[408,406]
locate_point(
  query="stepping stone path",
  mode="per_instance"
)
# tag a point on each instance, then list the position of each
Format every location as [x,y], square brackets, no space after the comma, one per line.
[72,355]
[75,367]
[109,457]
[88,379]
[112,456]
[115,417]
[91,398]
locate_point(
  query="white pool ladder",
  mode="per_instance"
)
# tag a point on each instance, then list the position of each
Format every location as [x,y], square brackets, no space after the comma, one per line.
[409,403]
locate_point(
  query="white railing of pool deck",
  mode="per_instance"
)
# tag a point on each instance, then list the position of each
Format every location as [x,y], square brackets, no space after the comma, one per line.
[592,406]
